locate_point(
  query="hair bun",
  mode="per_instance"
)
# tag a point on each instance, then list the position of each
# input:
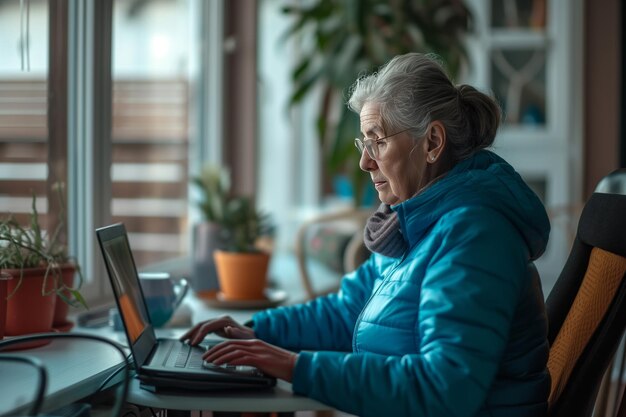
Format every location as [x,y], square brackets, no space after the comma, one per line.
[483,115]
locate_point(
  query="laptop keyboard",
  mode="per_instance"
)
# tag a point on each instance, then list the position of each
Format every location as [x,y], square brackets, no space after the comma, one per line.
[182,355]
[188,357]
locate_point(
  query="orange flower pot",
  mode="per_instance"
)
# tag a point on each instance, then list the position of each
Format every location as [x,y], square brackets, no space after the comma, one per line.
[61,307]
[3,303]
[28,311]
[242,276]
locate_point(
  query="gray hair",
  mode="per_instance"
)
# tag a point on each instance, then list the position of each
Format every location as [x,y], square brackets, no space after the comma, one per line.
[414,90]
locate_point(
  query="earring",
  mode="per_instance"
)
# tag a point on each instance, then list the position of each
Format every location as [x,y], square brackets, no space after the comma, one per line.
[432,158]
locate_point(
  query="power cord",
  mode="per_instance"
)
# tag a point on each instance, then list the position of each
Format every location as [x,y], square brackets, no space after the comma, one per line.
[43,378]
[127,363]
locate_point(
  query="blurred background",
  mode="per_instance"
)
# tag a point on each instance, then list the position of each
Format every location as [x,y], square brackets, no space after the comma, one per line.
[126,100]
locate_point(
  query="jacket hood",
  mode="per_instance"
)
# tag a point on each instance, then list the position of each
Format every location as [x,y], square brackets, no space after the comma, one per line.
[484,180]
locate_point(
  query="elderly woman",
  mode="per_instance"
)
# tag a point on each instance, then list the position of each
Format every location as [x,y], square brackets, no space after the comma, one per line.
[445,318]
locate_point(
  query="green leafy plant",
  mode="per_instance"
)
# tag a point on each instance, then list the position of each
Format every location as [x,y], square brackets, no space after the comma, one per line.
[23,247]
[341,40]
[241,224]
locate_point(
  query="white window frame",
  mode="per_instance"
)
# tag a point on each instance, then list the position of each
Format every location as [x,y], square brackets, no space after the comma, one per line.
[89,152]
[89,126]
[554,151]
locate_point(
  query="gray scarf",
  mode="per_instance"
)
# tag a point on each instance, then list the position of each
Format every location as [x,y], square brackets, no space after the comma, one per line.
[382,233]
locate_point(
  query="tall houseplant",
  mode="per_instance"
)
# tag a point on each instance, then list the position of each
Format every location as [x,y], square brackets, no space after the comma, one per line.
[235,225]
[41,284]
[346,39]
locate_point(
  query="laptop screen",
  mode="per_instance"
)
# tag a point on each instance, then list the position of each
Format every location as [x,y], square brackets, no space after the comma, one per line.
[122,272]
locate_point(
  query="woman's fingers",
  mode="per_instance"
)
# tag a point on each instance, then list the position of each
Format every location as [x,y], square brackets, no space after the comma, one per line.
[200,330]
[237,357]
[221,349]
[191,332]
[270,359]
[239,332]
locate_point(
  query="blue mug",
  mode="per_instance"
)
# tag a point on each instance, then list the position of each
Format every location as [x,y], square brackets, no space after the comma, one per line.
[163,295]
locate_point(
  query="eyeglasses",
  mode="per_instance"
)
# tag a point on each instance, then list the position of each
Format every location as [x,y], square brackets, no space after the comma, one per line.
[371,145]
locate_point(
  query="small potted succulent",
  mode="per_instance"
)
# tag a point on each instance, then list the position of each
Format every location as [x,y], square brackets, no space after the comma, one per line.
[236,227]
[39,275]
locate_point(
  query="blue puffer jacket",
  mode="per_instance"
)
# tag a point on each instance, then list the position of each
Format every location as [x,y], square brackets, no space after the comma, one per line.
[456,327]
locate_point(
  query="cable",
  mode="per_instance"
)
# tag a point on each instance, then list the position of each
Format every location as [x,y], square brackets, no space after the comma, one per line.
[43,378]
[112,375]
[46,336]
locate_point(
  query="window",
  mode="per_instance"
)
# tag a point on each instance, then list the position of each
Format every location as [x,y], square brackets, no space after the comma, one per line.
[151,112]
[137,130]
[23,110]
[143,111]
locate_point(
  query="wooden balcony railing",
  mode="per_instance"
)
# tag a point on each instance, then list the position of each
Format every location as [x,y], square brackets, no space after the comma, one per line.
[150,135]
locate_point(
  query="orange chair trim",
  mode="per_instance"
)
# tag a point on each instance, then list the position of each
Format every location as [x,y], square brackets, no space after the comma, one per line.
[597,290]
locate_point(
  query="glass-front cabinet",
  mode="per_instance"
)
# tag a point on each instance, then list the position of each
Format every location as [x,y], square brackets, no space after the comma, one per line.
[528,53]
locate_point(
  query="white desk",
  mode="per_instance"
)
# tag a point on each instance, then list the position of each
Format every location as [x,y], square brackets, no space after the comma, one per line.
[76,372]
[76,369]
[278,399]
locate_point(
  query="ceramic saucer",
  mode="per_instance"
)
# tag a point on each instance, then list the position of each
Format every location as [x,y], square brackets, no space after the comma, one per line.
[273,297]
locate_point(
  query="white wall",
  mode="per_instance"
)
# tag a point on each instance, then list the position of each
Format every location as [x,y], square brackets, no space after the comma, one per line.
[288,178]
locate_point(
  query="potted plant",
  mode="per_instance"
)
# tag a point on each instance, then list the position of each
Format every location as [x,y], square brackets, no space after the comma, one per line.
[41,273]
[233,228]
[351,38]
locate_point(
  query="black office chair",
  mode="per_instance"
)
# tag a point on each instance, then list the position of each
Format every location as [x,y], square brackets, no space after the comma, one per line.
[72,409]
[587,307]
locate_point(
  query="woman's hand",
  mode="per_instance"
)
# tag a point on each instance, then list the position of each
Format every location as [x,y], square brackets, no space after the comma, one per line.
[268,358]
[224,326]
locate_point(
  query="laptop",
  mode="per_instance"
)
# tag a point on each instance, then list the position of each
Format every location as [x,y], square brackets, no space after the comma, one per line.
[163,363]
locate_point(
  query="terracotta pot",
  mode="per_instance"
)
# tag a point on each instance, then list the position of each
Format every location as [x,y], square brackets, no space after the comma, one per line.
[3,303]
[61,307]
[242,276]
[28,311]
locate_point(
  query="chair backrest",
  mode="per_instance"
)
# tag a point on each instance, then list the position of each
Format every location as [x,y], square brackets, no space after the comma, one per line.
[587,307]
[614,183]
[352,254]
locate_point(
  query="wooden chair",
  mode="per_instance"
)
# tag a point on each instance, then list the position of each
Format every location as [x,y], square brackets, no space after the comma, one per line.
[354,253]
